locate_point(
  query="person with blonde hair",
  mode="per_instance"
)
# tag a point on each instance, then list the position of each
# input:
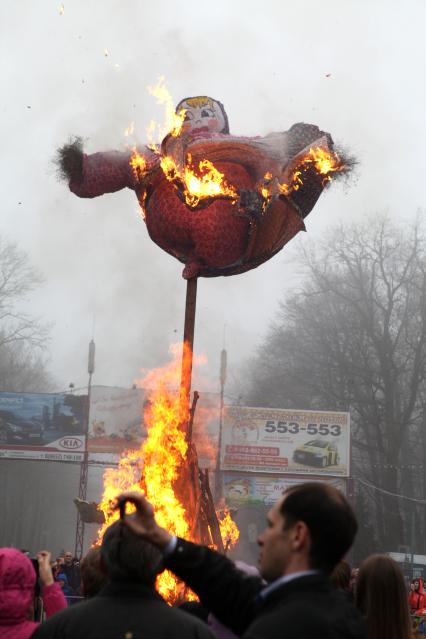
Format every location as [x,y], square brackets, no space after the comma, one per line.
[381,597]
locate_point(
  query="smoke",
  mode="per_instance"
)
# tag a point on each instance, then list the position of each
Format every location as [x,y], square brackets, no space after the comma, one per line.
[85,73]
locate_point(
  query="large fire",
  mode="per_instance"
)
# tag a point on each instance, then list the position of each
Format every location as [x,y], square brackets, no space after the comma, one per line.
[155,467]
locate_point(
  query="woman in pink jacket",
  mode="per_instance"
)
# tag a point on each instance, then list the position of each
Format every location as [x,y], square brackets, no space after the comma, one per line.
[17,582]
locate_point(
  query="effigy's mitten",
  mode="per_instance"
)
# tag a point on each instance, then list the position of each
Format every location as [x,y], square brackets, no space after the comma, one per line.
[301,136]
[69,160]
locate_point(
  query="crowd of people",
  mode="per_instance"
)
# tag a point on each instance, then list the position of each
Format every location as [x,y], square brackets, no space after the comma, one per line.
[303,587]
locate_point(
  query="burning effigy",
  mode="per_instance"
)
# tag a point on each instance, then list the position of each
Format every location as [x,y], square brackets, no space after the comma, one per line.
[222,205]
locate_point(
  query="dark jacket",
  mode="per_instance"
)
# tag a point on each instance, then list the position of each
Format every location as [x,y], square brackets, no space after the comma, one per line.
[304,608]
[73,575]
[120,609]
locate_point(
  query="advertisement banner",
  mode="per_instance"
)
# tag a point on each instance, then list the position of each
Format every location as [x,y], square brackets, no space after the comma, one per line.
[116,424]
[116,421]
[268,440]
[253,490]
[45,426]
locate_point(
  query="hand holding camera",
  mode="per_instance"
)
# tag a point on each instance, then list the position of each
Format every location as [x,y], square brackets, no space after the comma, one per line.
[44,568]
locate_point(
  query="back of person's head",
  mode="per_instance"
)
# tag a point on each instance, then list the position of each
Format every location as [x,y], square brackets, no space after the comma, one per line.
[17,581]
[127,557]
[381,596]
[341,576]
[93,578]
[328,515]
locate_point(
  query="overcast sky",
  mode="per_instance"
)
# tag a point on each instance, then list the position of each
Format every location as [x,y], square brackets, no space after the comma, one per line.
[354,68]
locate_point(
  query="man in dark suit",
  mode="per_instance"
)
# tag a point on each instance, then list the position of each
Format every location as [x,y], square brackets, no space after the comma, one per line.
[128,606]
[310,528]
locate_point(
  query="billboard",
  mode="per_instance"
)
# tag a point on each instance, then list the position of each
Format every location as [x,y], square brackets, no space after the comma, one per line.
[115,422]
[250,497]
[253,490]
[268,440]
[47,426]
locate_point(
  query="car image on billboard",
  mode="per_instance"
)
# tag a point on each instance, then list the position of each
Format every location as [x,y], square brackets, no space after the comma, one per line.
[317,452]
[16,430]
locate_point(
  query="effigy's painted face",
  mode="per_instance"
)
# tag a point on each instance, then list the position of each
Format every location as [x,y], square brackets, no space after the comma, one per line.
[203,114]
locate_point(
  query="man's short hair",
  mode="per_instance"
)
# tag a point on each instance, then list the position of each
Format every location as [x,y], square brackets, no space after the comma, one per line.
[127,557]
[93,578]
[328,515]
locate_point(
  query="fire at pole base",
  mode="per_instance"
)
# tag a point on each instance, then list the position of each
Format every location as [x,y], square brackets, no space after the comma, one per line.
[166,470]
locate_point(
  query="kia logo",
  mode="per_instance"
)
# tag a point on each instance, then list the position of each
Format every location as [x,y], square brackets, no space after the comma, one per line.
[72,443]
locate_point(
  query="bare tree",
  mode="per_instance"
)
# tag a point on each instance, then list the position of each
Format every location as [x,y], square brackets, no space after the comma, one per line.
[23,338]
[354,338]
[23,370]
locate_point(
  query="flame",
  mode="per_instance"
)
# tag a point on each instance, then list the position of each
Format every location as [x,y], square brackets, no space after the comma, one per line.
[116,480]
[169,167]
[204,181]
[173,121]
[207,182]
[155,467]
[106,52]
[128,131]
[61,10]
[228,528]
[324,162]
[138,164]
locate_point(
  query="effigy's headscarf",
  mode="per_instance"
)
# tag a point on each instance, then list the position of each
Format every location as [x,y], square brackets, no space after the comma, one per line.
[205,109]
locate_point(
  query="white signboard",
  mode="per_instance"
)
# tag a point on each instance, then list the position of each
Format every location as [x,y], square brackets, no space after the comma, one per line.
[268,440]
[115,421]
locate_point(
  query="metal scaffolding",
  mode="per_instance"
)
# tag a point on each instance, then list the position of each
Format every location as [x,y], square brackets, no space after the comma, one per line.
[84,465]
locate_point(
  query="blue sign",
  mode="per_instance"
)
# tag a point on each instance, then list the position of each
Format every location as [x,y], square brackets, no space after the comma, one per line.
[42,426]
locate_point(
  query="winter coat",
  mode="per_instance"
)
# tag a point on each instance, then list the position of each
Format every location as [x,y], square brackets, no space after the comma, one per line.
[73,575]
[120,610]
[17,581]
[417,599]
[304,608]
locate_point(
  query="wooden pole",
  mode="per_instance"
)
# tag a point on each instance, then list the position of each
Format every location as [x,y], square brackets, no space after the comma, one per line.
[188,338]
[193,483]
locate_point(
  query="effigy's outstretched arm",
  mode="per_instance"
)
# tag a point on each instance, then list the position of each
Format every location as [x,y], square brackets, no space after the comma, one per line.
[93,175]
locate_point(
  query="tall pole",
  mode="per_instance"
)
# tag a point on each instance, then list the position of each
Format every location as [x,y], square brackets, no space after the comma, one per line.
[218,483]
[188,338]
[413,525]
[84,466]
